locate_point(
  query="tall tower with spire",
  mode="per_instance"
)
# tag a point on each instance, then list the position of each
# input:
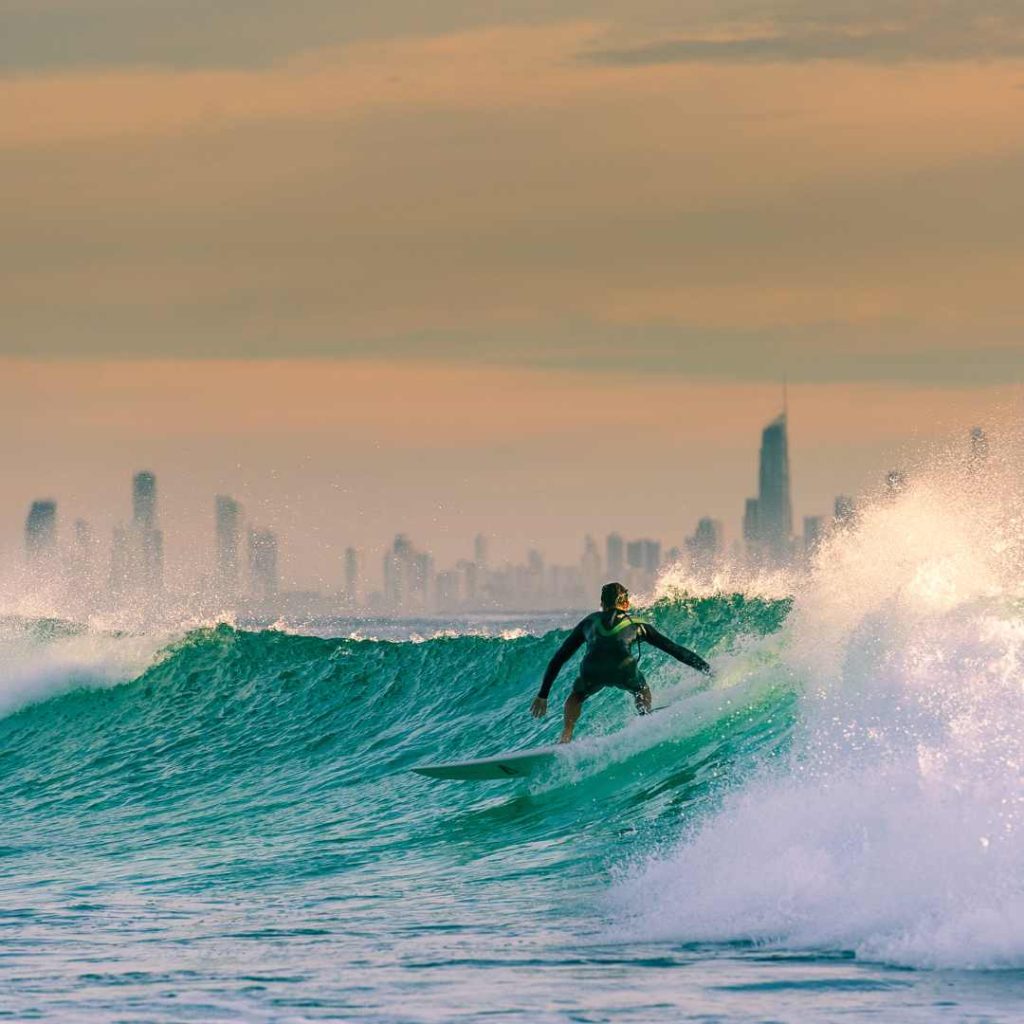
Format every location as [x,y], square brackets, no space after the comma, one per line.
[774,503]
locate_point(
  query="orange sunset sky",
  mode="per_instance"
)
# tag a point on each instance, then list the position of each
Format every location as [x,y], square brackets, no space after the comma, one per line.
[531,269]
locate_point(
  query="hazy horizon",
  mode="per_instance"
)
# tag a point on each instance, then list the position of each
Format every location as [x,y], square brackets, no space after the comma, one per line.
[442,453]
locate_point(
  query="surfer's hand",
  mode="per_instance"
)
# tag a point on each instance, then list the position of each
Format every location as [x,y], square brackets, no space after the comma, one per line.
[539,707]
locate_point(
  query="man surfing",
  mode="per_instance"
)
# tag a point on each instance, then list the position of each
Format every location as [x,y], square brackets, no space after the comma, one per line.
[609,661]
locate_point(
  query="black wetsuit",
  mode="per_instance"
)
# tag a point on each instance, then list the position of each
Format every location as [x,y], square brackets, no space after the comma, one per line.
[610,660]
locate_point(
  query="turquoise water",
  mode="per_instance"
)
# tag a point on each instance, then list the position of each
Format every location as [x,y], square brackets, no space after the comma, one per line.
[221,825]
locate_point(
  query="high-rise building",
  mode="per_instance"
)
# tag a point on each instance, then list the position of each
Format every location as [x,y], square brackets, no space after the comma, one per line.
[41,532]
[751,533]
[447,588]
[705,546]
[644,555]
[774,505]
[590,566]
[407,576]
[814,532]
[144,500]
[228,537]
[264,581]
[614,556]
[352,574]
[480,552]
[144,554]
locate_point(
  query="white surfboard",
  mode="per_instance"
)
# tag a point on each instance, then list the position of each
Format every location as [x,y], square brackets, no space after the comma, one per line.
[514,764]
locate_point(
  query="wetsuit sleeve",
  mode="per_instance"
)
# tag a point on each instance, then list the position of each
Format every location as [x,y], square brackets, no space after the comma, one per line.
[572,643]
[677,651]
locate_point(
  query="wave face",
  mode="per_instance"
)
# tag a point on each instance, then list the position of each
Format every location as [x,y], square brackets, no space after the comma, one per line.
[246,797]
[230,734]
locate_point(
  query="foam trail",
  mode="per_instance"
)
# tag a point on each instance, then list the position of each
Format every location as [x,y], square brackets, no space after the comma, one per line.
[895,827]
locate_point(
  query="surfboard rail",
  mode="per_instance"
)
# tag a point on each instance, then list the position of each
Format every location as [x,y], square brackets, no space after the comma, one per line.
[513,764]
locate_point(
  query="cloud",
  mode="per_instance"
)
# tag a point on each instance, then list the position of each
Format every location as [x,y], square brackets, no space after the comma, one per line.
[876,46]
[802,32]
[484,196]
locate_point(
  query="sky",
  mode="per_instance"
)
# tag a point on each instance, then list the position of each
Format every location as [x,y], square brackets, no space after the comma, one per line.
[534,270]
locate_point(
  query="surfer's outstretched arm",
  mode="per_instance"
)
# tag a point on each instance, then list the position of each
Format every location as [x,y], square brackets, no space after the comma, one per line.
[674,650]
[572,643]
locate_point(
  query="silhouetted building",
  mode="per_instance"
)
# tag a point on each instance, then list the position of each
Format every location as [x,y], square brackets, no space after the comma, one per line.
[644,555]
[615,556]
[814,532]
[448,590]
[590,566]
[774,505]
[144,500]
[480,553]
[143,570]
[407,575]
[352,574]
[41,533]
[264,581]
[750,524]
[705,546]
[228,514]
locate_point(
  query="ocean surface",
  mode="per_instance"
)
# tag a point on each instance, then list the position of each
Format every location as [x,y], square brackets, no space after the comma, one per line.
[219,823]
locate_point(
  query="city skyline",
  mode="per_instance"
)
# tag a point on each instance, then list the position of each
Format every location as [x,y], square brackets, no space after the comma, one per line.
[245,570]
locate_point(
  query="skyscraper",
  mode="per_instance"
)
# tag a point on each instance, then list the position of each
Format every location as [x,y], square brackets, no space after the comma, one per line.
[41,532]
[264,581]
[228,536]
[615,551]
[644,555]
[774,505]
[480,550]
[407,574]
[814,533]
[705,546]
[352,594]
[144,500]
[590,566]
[750,530]
[146,557]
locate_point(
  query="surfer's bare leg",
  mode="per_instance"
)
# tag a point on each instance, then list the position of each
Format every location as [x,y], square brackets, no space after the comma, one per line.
[573,707]
[643,700]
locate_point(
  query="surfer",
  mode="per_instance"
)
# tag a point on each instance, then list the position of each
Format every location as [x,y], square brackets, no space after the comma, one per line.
[609,661]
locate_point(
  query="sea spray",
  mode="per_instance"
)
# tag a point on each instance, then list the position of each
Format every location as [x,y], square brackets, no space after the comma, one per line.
[894,827]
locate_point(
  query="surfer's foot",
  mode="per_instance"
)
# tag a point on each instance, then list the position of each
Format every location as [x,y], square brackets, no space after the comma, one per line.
[644,701]
[566,736]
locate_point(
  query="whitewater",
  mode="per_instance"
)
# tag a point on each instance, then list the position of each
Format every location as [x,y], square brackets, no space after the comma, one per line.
[218,823]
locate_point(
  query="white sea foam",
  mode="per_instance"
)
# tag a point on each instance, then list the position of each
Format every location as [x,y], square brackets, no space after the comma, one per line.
[896,828]
[33,668]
